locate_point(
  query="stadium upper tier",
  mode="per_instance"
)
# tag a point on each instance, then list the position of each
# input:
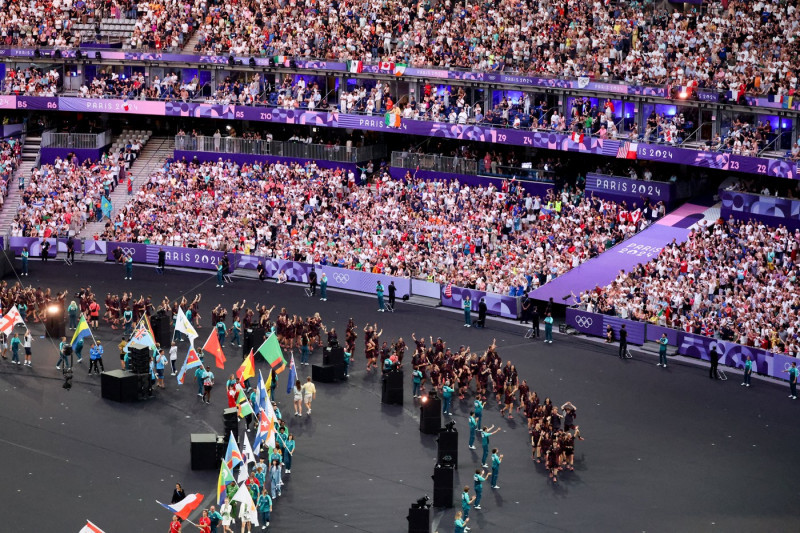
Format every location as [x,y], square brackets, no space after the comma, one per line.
[744,47]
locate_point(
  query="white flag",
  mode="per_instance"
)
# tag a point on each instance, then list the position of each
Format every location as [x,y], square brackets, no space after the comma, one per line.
[183,325]
[243,474]
[11,319]
[247,451]
[248,509]
[90,528]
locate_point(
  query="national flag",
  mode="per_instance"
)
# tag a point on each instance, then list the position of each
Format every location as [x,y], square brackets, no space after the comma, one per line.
[577,137]
[125,105]
[355,66]
[192,361]
[247,507]
[281,60]
[247,451]
[261,394]
[683,91]
[106,207]
[267,428]
[212,346]
[292,376]
[90,528]
[11,319]
[775,98]
[243,405]
[184,507]
[183,325]
[448,290]
[270,350]
[628,150]
[400,69]
[243,475]
[386,66]
[233,457]
[81,332]
[393,120]
[143,334]
[787,102]
[225,478]
[247,370]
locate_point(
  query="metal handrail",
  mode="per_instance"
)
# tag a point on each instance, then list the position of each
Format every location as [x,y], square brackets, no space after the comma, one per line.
[692,134]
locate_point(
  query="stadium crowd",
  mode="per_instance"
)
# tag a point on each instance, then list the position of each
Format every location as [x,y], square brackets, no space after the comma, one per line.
[30,82]
[478,237]
[733,279]
[62,197]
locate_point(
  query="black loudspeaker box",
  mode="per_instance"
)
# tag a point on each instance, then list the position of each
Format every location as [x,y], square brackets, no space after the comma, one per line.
[327,373]
[448,448]
[443,486]
[392,387]
[253,339]
[333,355]
[204,451]
[118,385]
[419,519]
[162,329]
[430,416]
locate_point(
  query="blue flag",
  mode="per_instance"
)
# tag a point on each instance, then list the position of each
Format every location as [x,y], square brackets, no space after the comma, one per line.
[261,395]
[292,376]
[105,206]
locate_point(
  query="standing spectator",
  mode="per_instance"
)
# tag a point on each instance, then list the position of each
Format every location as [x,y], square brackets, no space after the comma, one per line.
[220,280]
[792,381]
[467,311]
[481,314]
[323,287]
[162,260]
[548,328]
[713,356]
[623,342]
[45,250]
[748,371]
[128,267]
[25,255]
[312,282]
[662,350]
[496,460]
[15,344]
[379,292]
[70,249]
[392,294]
[309,393]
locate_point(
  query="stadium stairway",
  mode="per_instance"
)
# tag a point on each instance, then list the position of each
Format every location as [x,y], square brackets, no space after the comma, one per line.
[30,156]
[155,152]
[188,48]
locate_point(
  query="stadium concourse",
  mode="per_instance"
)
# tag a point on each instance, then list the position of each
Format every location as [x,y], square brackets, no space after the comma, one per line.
[664,450]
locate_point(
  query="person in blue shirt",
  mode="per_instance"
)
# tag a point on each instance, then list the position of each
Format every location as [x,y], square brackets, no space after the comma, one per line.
[496,460]
[379,292]
[466,502]
[447,397]
[347,357]
[479,478]
[288,452]
[275,481]
[485,434]
[96,358]
[662,350]
[473,427]
[220,280]
[548,329]
[25,255]
[214,517]
[416,381]
[208,384]
[128,267]
[261,471]
[748,371]
[461,522]
[323,287]
[127,322]
[199,376]
[264,504]
[161,362]
[467,311]
[16,343]
[79,350]
[479,404]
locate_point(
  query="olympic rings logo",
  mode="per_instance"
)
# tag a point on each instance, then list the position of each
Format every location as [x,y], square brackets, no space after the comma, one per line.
[786,366]
[341,278]
[128,251]
[584,321]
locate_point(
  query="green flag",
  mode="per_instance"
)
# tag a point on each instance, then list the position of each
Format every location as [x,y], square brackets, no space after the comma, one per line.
[271,352]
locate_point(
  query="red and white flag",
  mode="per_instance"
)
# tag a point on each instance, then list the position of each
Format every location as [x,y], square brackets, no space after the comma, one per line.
[11,319]
[386,66]
[184,507]
[90,528]
[448,291]
[577,137]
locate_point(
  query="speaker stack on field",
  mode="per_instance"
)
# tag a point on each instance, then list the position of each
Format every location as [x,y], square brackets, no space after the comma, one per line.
[443,486]
[392,387]
[447,450]
[230,419]
[332,367]
[253,339]
[430,415]
[204,451]
[139,355]
[162,329]
[119,386]
[419,516]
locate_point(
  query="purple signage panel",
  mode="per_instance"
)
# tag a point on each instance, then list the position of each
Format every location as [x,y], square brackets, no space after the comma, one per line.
[37,103]
[673,335]
[251,158]
[628,189]
[93,247]
[496,304]
[107,105]
[175,256]
[767,209]
[34,245]
[8,102]
[636,330]
[586,322]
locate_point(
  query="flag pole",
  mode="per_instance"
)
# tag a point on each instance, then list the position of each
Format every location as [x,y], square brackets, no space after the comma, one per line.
[83,316]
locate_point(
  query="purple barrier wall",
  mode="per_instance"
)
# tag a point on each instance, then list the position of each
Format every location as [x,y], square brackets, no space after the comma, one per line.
[618,188]
[535,188]
[595,324]
[767,209]
[429,289]
[175,256]
[49,155]
[496,304]
[690,345]
[34,244]
[12,130]
[251,158]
